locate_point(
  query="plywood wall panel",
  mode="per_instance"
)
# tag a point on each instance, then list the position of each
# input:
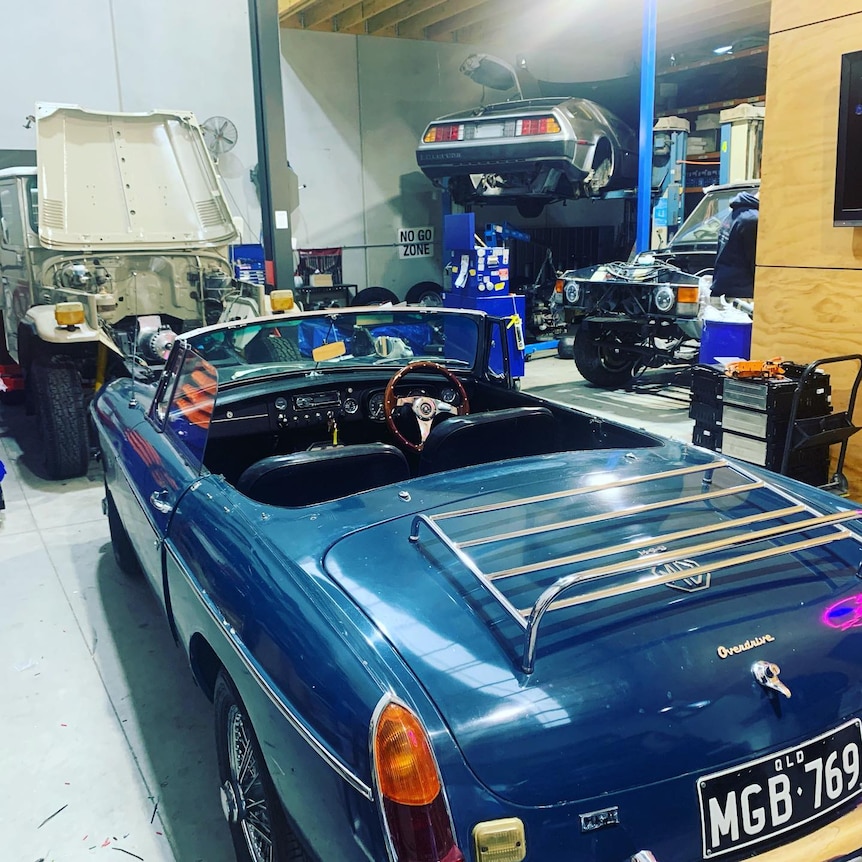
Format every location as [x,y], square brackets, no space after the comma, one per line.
[800,13]
[799,148]
[805,315]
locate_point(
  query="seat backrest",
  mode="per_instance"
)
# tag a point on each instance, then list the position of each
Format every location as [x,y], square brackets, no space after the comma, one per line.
[318,475]
[480,438]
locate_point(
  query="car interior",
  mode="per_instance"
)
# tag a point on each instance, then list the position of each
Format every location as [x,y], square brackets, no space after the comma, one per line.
[304,446]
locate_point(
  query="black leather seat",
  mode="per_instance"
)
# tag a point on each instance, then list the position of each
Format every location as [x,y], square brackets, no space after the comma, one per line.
[318,475]
[480,438]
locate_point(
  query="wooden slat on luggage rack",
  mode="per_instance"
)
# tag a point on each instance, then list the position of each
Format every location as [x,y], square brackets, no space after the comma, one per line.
[551,598]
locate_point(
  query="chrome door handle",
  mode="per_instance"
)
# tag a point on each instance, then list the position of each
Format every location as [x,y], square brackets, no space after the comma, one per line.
[159,501]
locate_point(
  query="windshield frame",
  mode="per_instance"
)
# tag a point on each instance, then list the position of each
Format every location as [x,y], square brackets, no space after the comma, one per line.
[342,339]
[708,215]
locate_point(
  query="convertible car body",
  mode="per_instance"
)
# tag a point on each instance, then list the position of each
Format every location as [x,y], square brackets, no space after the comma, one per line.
[442,620]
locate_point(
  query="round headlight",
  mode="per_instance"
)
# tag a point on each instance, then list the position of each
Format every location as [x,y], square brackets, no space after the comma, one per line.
[664,297]
[572,292]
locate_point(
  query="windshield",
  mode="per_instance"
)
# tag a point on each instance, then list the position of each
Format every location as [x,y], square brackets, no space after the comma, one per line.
[338,338]
[702,226]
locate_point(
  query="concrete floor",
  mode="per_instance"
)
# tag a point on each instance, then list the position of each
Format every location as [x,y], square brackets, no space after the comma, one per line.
[109,744]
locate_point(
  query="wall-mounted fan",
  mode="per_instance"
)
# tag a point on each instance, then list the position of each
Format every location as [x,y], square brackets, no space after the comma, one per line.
[219,135]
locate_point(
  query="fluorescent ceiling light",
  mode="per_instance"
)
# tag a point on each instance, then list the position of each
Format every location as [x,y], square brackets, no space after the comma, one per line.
[724,49]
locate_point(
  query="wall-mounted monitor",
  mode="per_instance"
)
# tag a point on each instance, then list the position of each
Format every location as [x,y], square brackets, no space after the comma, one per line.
[848,170]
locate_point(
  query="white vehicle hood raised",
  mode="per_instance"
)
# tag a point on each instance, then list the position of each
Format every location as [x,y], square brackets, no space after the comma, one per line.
[115,181]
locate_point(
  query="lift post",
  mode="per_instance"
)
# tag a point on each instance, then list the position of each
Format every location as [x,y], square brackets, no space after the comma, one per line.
[670,144]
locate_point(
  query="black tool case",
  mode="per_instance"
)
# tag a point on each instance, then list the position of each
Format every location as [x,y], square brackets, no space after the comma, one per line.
[785,424]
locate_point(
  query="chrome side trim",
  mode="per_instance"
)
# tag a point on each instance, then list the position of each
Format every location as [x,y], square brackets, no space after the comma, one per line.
[247,659]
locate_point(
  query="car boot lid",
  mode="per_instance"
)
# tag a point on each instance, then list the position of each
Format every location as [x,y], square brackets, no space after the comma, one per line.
[652,663]
[127,181]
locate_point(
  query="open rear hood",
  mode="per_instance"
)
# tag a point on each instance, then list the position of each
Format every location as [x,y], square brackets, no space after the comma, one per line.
[116,181]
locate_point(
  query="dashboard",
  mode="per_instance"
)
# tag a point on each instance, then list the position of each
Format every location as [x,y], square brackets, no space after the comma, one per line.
[279,410]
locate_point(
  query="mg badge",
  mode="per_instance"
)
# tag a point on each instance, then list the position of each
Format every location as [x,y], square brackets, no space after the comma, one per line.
[690,584]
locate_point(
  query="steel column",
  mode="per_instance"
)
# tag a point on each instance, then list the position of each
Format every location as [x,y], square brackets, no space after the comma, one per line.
[273,169]
[647,120]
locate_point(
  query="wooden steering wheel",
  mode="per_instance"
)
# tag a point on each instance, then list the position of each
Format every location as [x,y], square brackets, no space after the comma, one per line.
[425,409]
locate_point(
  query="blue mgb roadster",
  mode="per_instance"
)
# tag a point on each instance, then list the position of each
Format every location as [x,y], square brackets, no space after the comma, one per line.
[441,619]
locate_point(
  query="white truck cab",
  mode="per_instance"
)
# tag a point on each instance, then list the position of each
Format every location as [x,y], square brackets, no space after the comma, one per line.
[112,246]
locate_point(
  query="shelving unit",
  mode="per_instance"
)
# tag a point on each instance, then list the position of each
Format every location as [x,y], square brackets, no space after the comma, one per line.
[697,96]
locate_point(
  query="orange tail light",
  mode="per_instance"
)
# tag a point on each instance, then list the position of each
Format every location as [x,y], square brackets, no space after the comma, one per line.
[412,798]
[405,766]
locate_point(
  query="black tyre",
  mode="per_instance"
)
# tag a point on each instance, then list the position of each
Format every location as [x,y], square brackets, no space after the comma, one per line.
[425,293]
[461,190]
[268,348]
[124,553]
[603,168]
[602,358]
[12,399]
[62,417]
[256,819]
[374,296]
[566,347]
[530,207]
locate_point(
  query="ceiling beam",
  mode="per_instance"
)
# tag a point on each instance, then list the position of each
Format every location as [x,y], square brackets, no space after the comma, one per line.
[357,18]
[293,7]
[327,12]
[397,16]
[439,23]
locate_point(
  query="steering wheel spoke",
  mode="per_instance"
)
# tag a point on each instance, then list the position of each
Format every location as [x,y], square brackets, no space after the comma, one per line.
[424,408]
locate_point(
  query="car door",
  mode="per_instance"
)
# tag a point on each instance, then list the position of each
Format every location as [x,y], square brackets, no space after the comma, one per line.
[163,456]
[15,285]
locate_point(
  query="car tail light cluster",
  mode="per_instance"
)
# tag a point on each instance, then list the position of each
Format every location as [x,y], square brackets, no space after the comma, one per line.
[441,134]
[537,126]
[414,805]
[490,128]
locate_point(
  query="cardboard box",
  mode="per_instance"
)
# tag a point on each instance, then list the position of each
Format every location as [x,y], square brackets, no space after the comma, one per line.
[320,279]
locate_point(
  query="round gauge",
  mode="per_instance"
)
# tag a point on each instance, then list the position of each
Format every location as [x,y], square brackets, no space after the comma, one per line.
[280,403]
[350,406]
[375,406]
[449,395]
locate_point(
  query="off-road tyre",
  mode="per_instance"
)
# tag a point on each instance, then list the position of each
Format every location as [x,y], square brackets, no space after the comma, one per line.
[121,544]
[62,417]
[601,358]
[264,819]
[267,348]
[375,296]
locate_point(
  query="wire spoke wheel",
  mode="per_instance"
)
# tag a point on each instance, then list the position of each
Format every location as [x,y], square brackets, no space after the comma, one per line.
[253,813]
[251,806]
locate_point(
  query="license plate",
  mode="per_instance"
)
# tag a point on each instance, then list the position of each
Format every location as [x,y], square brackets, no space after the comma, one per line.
[766,797]
[489,130]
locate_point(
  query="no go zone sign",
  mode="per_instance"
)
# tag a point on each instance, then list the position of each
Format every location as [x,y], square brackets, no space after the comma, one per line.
[415,241]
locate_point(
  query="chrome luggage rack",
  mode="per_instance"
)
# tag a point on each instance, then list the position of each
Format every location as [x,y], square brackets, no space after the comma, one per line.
[655,555]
